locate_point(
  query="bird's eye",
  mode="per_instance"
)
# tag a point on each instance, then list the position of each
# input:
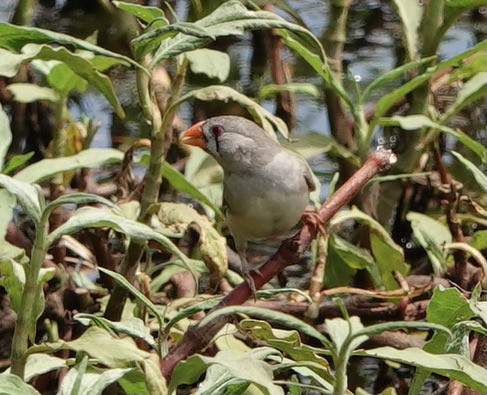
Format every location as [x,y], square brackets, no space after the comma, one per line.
[217,130]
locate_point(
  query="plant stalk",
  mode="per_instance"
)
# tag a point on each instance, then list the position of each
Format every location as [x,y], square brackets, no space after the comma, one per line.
[150,195]
[30,294]
[341,363]
[23,12]
[56,185]
[333,42]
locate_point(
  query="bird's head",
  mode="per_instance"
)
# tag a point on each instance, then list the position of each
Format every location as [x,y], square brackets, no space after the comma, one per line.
[231,140]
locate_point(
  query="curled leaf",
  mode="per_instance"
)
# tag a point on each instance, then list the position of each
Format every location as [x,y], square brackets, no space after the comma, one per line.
[179,217]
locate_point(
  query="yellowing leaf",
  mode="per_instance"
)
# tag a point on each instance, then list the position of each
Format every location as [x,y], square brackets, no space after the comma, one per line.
[178,217]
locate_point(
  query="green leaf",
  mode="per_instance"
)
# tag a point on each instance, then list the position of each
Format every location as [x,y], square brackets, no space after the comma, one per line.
[478,306]
[312,144]
[471,66]
[479,239]
[212,246]
[459,60]
[145,13]
[478,175]
[388,100]
[187,372]
[15,37]
[91,381]
[28,196]
[345,253]
[38,308]
[38,364]
[156,383]
[248,367]
[16,161]
[10,62]
[393,75]
[465,3]
[410,14]
[394,177]
[10,384]
[78,198]
[212,63]
[305,369]
[388,255]
[431,234]
[60,77]
[133,326]
[319,64]
[110,351]
[188,311]
[447,307]
[341,330]
[5,135]
[413,122]
[289,342]
[81,66]
[291,87]
[28,93]
[7,204]
[224,93]
[401,325]
[353,256]
[231,18]
[268,315]
[337,272]
[179,182]
[461,333]
[453,366]
[89,158]
[220,380]
[389,258]
[474,89]
[12,278]
[133,382]
[9,251]
[137,294]
[149,40]
[87,217]
[206,175]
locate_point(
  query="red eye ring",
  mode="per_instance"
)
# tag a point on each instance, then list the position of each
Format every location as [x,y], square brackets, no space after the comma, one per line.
[217,130]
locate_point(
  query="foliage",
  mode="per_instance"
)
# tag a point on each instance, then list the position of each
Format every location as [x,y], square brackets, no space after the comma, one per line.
[263,350]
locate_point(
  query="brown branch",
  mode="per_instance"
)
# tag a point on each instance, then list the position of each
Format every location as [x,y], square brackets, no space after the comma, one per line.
[449,201]
[285,103]
[196,339]
[368,309]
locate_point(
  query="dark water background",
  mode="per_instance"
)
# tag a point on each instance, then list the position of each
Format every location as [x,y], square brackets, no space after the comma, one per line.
[373,33]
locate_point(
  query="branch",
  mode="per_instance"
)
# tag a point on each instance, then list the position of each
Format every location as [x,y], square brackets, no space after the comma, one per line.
[195,339]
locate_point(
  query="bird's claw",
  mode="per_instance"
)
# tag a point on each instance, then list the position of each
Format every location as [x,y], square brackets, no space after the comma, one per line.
[250,282]
[312,218]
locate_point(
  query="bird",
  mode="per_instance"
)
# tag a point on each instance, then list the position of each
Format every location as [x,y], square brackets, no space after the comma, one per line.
[265,187]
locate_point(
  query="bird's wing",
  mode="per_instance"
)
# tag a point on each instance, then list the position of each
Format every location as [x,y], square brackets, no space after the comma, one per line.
[308,177]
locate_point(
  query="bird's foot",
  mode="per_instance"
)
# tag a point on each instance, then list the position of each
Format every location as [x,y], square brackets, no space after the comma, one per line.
[312,218]
[250,282]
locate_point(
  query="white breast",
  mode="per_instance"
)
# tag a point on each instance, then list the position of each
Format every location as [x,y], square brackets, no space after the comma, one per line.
[267,203]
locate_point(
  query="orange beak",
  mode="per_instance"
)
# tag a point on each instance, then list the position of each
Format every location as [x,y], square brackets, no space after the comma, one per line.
[194,136]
